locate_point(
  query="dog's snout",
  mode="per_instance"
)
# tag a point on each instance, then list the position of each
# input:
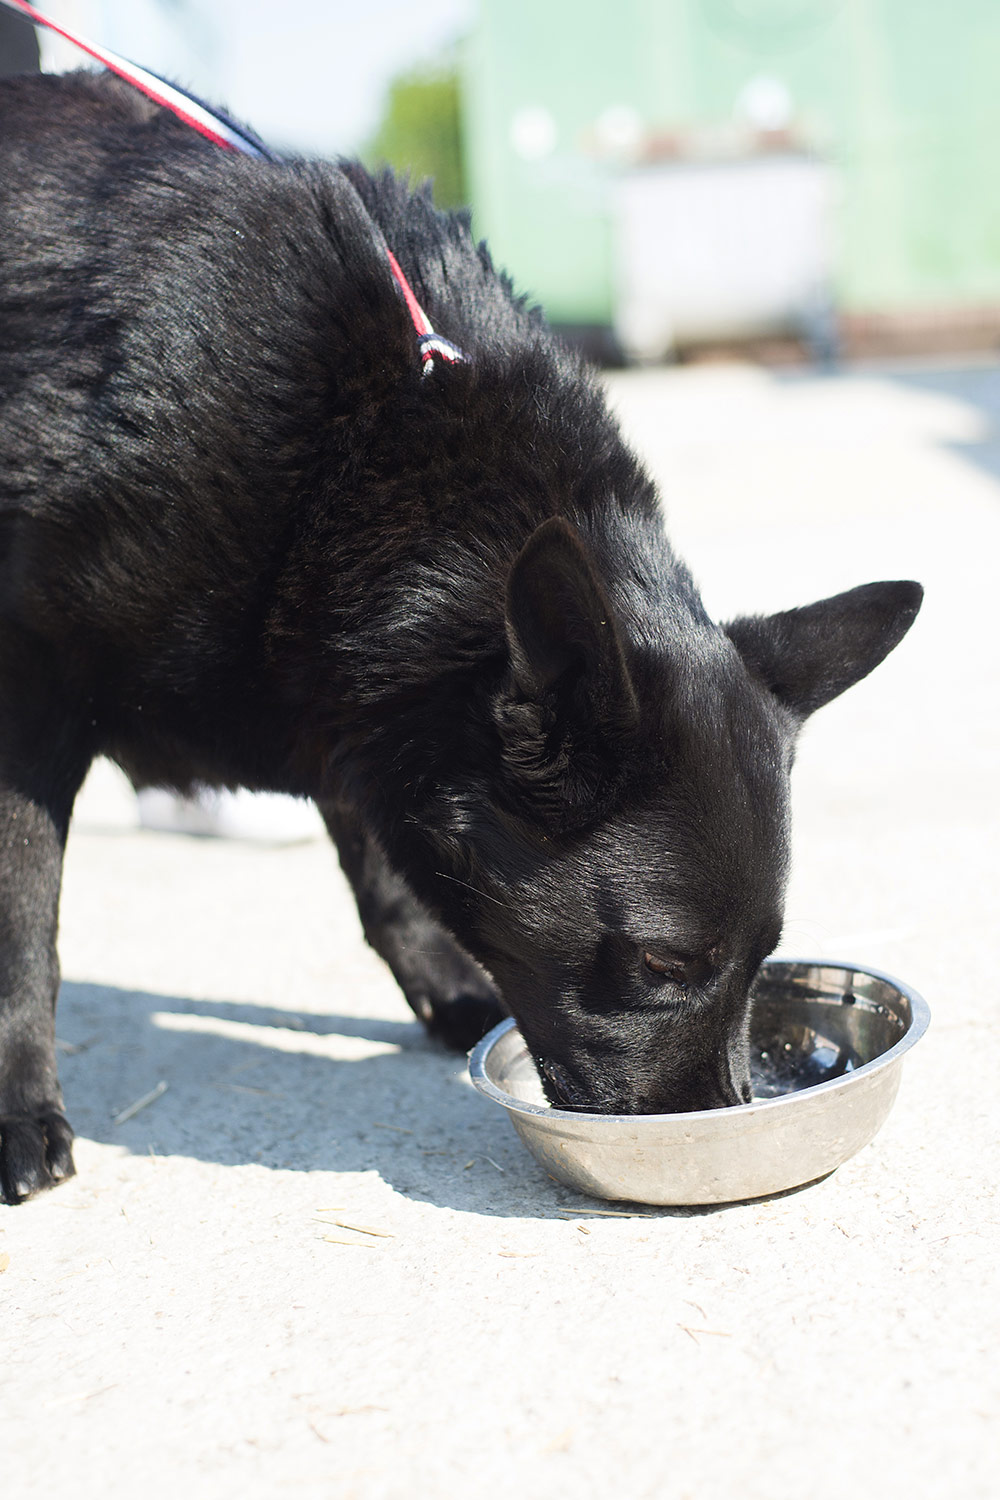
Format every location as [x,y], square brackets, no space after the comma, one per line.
[723,1090]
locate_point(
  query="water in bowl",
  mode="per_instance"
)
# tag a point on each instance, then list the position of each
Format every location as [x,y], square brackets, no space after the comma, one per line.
[784,1066]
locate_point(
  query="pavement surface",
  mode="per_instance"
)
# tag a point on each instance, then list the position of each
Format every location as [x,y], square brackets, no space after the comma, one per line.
[319,1264]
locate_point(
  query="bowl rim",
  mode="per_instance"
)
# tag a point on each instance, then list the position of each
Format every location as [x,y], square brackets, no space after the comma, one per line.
[920,1017]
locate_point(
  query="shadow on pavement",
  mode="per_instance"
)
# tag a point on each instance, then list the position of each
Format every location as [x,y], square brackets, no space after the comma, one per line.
[248,1084]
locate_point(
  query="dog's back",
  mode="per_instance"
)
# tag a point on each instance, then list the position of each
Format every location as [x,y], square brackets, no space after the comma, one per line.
[205,363]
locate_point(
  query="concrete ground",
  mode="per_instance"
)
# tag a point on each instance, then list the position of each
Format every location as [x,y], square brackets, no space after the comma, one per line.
[319,1265]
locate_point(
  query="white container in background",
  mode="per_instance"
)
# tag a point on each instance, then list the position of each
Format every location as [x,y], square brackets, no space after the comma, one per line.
[709,250]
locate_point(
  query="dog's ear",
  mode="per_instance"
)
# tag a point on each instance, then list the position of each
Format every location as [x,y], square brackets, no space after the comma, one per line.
[808,656]
[570,704]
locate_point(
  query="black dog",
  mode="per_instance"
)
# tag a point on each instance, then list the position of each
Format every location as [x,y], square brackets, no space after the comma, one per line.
[245,541]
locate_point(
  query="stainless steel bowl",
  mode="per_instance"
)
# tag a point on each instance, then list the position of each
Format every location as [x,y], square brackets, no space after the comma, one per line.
[827,1046]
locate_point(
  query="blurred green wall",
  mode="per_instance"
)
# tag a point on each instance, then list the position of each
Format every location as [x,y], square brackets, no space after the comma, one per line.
[903,95]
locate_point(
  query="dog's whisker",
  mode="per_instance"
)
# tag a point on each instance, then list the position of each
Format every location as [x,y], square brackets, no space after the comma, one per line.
[474,889]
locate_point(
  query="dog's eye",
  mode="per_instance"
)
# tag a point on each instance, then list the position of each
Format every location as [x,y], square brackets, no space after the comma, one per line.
[683,970]
[666,968]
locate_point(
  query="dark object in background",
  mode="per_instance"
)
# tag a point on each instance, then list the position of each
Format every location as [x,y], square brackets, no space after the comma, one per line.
[245,541]
[18,46]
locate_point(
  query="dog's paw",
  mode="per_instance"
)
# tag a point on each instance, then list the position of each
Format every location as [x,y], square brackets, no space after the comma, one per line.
[455,998]
[36,1152]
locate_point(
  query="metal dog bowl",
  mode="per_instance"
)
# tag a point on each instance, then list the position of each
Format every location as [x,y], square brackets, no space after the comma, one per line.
[827,1048]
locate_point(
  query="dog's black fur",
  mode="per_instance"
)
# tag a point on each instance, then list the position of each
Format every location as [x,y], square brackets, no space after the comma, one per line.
[243,541]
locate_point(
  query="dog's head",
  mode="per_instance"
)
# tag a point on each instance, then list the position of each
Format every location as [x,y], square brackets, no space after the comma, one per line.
[626,859]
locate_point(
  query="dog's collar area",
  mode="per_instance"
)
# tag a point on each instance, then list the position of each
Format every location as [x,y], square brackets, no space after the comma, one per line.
[430,344]
[226,133]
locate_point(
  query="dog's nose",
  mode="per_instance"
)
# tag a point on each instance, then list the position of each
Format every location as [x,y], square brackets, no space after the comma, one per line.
[732,1092]
[734,1077]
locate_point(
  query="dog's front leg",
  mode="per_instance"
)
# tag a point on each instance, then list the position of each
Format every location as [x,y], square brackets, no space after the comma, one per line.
[42,764]
[35,1137]
[445,987]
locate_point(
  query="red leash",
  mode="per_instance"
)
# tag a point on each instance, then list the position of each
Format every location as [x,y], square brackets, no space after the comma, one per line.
[218,127]
[429,342]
